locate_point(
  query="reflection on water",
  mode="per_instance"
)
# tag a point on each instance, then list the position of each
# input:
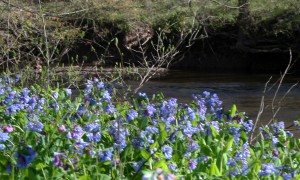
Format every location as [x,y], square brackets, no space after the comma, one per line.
[244,90]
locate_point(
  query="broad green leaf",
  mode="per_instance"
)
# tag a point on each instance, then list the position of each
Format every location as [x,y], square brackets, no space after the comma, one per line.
[161,164]
[86,177]
[233,111]
[228,145]
[214,170]
[145,154]
[159,155]
[162,135]
[214,132]
[40,166]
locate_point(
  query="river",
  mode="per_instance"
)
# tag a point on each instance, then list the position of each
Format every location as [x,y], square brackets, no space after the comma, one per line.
[244,90]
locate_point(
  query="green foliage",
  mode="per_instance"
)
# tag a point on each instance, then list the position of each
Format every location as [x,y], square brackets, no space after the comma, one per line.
[47,134]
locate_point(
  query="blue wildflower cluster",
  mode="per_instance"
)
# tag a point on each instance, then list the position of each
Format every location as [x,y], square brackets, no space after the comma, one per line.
[51,132]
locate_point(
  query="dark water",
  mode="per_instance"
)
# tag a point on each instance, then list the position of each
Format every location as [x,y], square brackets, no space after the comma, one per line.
[244,90]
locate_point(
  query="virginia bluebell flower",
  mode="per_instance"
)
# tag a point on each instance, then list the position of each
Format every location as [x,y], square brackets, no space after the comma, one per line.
[172,167]
[76,133]
[3,137]
[137,143]
[68,92]
[35,126]
[55,94]
[131,115]
[12,109]
[57,159]
[137,165]
[193,146]
[189,129]
[106,155]
[233,172]
[191,113]
[275,140]
[25,157]
[94,137]
[110,109]
[277,127]
[267,169]
[92,127]
[167,151]
[297,124]
[152,130]
[192,164]
[231,162]
[2,146]
[150,110]
[100,85]
[244,153]
[106,96]
[248,125]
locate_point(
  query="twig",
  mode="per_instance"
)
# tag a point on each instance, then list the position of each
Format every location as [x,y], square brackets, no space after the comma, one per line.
[261,110]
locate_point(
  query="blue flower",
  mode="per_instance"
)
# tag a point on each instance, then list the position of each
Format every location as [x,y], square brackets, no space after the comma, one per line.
[131,115]
[25,157]
[192,164]
[275,140]
[12,109]
[106,155]
[68,92]
[150,110]
[110,109]
[57,160]
[143,95]
[191,113]
[3,137]
[152,130]
[36,126]
[137,165]
[95,137]
[193,146]
[231,162]
[297,124]
[233,172]
[248,125]
[189,129]
[100,85]
[244,153]
[167,150]
[267,169]
[2,146]
[55,94]
[278,126]
[172,167]
[106,96]
[92,127]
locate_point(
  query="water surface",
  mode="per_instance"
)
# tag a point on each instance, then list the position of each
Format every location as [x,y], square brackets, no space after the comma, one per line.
[244,90]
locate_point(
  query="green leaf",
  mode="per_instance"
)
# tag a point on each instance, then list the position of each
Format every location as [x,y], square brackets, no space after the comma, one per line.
[86,177]
[214,170]
[145,154]
[159,155]
[214,132]
[40,166]
[233,111]
[228,145]
[162,135]
[161,164]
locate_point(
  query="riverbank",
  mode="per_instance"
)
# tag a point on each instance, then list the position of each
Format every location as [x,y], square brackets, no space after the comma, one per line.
[218,35]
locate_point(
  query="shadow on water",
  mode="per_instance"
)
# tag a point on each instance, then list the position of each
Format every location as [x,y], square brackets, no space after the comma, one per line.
[244,90]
